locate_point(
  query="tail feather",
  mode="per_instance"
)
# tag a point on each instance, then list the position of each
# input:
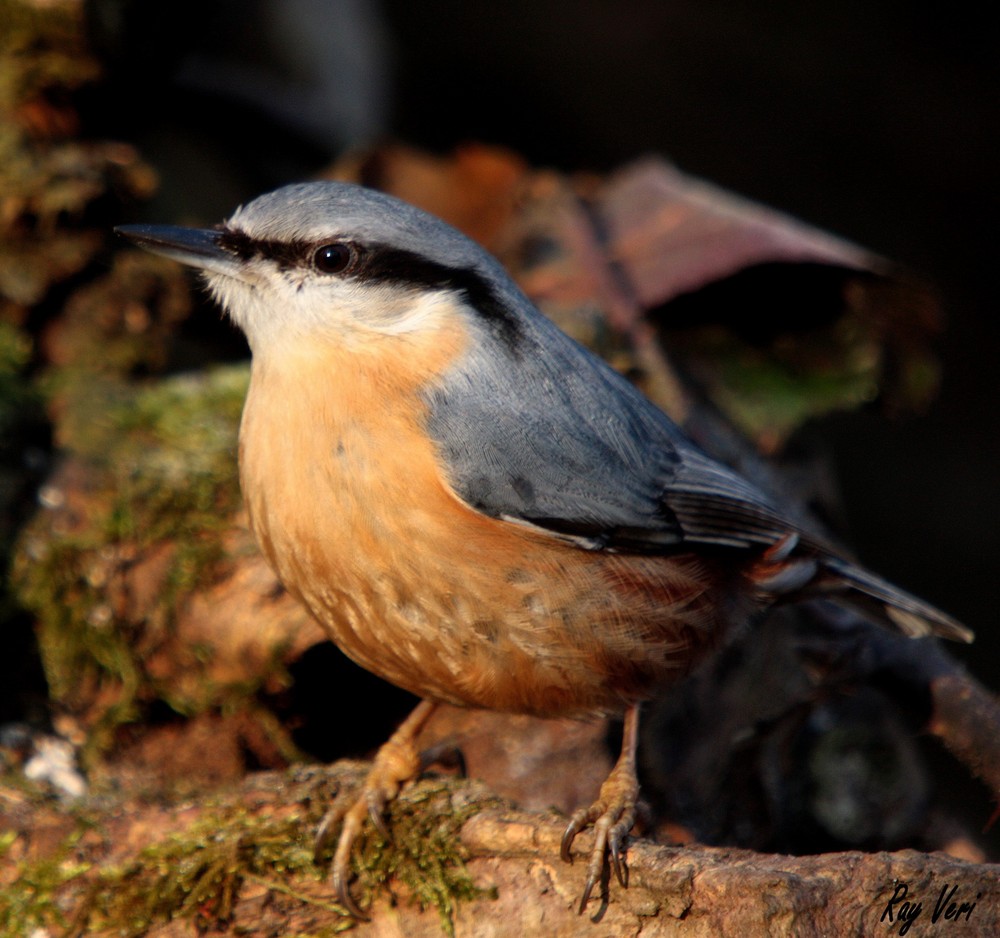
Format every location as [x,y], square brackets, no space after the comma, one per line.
[912,616]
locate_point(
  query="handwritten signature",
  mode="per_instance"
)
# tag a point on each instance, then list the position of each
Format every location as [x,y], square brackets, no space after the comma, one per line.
[949,907]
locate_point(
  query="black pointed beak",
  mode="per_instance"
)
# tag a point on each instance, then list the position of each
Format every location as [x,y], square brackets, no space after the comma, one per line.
[196,247]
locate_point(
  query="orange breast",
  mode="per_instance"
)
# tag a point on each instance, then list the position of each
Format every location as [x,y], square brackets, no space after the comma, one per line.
[348,502]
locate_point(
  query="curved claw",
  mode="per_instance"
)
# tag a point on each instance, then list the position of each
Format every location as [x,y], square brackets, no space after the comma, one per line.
[447,754]
[615,850]
[338,880]
[324,833]
[595,868]
[577,823]
[376,812]
[587,890]
[340,867]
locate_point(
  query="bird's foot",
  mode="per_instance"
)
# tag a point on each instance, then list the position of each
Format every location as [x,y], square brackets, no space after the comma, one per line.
[395,763]
[612,815]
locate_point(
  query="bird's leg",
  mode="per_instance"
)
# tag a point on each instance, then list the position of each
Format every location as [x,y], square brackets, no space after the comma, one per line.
[612,815]
[396,762]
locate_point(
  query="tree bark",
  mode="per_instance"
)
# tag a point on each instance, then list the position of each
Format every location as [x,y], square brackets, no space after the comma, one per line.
[511,857]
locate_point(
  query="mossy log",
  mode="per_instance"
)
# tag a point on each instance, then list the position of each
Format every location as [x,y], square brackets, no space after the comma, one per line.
[461,862]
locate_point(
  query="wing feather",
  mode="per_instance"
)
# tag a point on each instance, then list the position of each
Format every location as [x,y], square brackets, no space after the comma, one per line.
[550,436]
[554,438]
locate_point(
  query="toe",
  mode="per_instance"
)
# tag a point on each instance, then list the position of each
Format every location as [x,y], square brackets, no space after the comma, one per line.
[580,820]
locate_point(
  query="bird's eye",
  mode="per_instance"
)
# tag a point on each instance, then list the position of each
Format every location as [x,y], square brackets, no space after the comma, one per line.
[333,258]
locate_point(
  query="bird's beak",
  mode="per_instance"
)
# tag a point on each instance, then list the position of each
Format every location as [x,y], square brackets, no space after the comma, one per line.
[196,247]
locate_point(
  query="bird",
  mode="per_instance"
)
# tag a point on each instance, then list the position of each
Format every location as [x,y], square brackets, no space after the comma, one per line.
[474,506]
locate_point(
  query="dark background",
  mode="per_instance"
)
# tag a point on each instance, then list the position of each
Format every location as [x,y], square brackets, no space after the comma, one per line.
[873,120]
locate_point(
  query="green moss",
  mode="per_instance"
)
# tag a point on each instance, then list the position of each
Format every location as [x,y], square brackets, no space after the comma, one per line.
[425,853]
[31,901]
[170,451]
[161,474]
[198,873]
[771,390]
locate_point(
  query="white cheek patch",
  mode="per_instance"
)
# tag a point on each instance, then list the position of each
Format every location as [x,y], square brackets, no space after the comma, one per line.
[353,308]
[269,304]
[398,312]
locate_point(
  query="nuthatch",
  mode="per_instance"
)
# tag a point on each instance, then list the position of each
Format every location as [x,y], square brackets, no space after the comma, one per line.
[474,506]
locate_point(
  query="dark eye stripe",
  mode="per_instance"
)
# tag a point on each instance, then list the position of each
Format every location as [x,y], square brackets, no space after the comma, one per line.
[286,254]
[381,263]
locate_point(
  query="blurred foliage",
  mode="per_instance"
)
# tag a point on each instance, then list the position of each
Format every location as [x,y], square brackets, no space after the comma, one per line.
[50,179]
[778,345]
[72,333]
[15,352]
[20,411]
[769,392]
